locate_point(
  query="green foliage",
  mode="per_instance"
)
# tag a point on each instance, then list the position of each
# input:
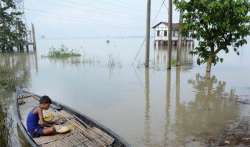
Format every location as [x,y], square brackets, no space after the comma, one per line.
[173,62]
[216,24]
[12,28]
[62,52]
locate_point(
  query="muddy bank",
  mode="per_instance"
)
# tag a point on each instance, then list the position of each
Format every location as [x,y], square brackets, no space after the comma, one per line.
[236,134]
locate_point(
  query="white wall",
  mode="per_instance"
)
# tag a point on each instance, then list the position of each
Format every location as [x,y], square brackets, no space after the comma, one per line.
[161,28]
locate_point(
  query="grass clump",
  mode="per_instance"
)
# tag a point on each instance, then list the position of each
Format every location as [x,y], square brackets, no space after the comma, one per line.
[174,62]
[112,62]
[62,52]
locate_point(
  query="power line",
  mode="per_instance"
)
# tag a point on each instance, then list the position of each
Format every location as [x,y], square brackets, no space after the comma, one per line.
[139,50]
[158,12]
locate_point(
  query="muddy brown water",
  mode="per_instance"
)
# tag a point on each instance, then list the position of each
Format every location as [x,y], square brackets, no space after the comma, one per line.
[153,107]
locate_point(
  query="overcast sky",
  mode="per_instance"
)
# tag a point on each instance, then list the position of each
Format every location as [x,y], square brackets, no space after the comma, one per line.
[92,18]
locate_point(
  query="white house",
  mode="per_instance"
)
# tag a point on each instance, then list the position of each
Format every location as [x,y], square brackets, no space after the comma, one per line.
[161,34]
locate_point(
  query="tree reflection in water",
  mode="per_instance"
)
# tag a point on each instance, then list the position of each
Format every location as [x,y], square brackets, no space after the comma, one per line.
[205,117]
[196,121]
[14,71]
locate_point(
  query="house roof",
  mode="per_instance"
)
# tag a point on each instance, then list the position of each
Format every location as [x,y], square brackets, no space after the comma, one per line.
[175,25]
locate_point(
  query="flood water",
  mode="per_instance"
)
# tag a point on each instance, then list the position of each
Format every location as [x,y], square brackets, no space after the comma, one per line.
[147,107]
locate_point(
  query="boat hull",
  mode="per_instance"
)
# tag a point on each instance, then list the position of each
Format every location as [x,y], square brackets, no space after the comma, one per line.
[83,119]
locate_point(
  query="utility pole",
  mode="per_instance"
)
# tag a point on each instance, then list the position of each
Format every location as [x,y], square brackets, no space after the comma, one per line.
[33,37]
[178,63]
[148,33]
[169,33]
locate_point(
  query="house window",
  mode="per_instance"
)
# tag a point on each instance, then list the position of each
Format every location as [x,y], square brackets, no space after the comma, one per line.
[165,33]
[158,33]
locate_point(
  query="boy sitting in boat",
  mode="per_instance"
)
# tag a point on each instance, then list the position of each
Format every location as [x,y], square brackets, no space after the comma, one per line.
[36,124]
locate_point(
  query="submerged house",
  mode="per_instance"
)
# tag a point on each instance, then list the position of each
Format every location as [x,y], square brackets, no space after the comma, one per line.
[161,35]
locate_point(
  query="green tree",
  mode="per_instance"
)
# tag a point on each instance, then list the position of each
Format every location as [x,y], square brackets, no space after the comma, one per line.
[12,28]
[218,25]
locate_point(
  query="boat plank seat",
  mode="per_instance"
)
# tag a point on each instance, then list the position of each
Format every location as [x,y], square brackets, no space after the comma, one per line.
[81,134]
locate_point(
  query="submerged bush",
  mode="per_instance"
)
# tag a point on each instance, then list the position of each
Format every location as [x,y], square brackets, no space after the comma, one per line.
[62,52]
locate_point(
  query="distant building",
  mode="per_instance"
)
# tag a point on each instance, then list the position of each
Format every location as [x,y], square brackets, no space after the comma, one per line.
[161,34]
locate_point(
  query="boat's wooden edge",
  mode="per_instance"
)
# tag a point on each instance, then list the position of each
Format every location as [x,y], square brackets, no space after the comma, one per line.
[21,126]
[119,141]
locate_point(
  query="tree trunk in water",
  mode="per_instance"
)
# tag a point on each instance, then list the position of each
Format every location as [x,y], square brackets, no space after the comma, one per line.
[209,66]
[21,48]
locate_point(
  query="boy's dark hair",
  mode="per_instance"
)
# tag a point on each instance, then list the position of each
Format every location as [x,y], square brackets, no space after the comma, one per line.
[45,100]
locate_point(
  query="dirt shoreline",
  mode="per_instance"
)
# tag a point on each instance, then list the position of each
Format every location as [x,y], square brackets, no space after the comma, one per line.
[236,134]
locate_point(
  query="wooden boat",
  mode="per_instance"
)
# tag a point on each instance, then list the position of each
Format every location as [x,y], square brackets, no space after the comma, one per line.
[85,132]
